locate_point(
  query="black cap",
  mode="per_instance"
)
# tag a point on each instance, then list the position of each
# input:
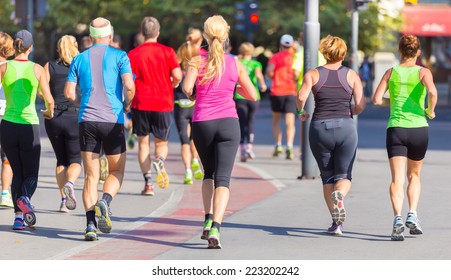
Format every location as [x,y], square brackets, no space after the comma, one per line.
[26,37]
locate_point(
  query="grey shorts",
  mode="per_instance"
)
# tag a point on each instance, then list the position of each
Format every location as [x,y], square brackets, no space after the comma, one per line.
[334,143]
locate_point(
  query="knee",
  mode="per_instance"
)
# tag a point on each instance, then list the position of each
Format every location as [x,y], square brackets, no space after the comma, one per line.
[413,176]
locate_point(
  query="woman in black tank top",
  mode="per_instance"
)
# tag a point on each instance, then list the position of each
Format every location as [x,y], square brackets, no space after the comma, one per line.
[62,130]
[333,133]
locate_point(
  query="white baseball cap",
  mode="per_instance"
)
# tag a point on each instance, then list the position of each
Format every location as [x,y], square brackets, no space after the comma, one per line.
[286,40]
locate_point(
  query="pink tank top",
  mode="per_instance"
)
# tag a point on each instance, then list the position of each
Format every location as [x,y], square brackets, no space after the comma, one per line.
[215,100]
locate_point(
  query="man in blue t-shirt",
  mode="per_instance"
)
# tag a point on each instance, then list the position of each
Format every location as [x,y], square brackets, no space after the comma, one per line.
[102,73]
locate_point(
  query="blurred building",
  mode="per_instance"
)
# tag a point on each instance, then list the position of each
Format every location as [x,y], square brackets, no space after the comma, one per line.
[430,20]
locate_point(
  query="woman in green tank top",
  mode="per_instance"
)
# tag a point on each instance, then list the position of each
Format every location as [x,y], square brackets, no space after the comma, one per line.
[21,80]
[407,129]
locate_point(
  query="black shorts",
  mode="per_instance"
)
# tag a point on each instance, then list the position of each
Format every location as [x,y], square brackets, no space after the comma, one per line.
[97,135]
[283,104]
[407,142]
[147,122]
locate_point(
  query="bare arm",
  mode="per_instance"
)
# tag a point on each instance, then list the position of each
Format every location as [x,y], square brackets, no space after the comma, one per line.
[129,88]
[357,87]
[246,87]
[310,78]
[428,81]
[378,97]
[47,78]
[261,79]
[191,76]
[70,93]
[270,71]
[45,92]
[176,77]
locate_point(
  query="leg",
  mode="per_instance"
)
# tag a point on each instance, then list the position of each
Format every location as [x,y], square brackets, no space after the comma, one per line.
[161,153]
[277,132]
[144,153]
[290,131]
[398,172]
[414,185]
[91,166]
[116,165]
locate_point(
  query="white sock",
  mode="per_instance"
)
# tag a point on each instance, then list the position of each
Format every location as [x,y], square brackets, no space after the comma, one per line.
[413,212]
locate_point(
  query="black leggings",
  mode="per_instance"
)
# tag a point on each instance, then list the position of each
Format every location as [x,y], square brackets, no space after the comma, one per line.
[246,110]
[62,131]
[22,146]
[183,118]
[217,143]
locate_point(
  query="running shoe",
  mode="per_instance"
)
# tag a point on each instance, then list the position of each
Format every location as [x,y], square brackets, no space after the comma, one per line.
[162,175]
[18,224]
[250,152]
[289,154]
[206,229]
[188,178]
[213,239]
[103,168]
[413,223]
[25,206]
[91,233]
[103,212]
[148,189]
[198,174]
[339,212]
[7,201]
[71,201]
[243,154]
[277,151]
[63,207]
[398,229]
[335,229]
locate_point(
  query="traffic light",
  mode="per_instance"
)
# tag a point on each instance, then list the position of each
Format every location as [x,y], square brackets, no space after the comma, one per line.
[247,18]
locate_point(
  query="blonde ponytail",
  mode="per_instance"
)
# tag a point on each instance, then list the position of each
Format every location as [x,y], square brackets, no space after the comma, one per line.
[67,48]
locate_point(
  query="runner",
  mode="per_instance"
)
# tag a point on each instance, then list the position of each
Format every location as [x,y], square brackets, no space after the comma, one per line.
[215,121]
[156,72]
[6,50]
[102,72]
[19,128]
[407,129]
[247,109]
[333,131]
[183,116]
[283,95]
[62,130]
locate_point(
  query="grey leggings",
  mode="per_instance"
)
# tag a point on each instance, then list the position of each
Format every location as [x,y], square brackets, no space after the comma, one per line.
[334,143]
[217,143]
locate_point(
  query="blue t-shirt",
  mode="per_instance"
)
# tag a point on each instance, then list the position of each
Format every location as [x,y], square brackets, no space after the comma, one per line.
[99,72]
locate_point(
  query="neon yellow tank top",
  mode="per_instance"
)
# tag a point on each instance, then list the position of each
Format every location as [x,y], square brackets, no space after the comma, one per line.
[20,85]
[407,97]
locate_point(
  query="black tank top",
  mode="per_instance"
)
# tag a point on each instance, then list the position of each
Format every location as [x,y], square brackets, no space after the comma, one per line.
[58,75]
[332,94]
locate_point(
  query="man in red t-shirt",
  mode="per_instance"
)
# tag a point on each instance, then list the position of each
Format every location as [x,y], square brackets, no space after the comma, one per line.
[283,94]
[157,72]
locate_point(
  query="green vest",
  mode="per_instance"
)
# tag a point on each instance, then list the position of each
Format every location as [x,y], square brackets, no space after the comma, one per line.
[407,97]
[20,85]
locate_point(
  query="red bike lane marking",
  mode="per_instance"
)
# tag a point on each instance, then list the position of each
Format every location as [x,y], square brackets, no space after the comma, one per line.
[167,232]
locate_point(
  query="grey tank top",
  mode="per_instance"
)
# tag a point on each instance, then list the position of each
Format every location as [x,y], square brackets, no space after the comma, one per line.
[332,94]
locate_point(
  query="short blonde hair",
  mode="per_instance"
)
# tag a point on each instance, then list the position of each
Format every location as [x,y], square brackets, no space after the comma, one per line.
[246,48]
[6,45]
[333,48]
[67,48]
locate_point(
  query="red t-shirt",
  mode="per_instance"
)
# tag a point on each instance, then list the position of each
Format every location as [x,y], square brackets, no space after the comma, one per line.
[152,64]
[283,82]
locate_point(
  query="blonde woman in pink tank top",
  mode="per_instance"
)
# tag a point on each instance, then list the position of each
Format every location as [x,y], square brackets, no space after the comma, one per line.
[216,131]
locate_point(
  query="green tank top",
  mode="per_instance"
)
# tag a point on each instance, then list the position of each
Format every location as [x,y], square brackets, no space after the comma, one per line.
[250,66]
[20,85]
[407,97]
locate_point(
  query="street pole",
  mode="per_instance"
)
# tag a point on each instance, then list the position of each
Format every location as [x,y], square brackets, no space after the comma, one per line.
[30,20]
[311,45]
[354,39]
